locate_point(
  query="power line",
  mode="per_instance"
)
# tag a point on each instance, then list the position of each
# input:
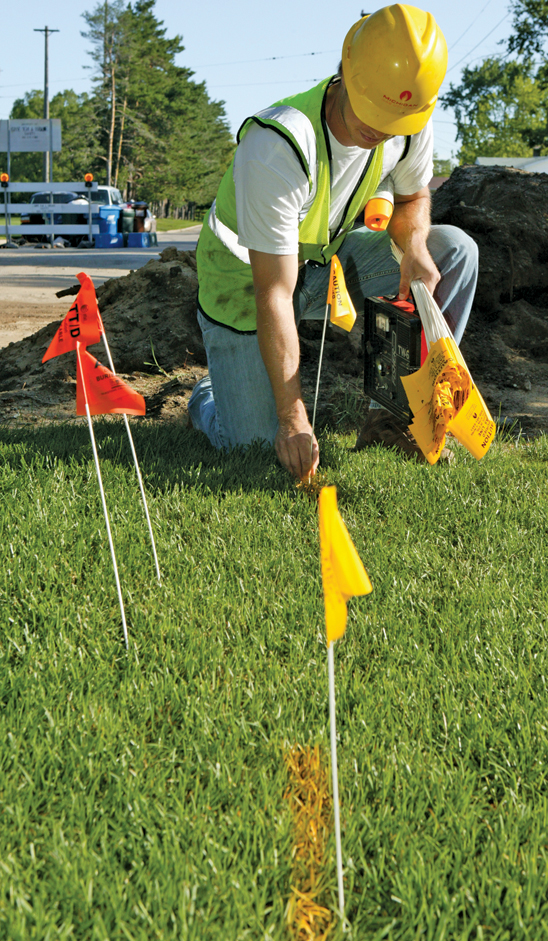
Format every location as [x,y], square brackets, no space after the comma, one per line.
[239,85]
[293,81]
[209,65]
[300,55]
[468,28]
[55,81]
[479,43]
[500,58]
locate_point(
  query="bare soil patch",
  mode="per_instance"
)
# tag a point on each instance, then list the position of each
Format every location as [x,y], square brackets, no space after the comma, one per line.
[18,320]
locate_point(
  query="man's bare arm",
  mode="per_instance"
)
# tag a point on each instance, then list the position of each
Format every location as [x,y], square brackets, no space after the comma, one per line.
[275,279]
[409,227]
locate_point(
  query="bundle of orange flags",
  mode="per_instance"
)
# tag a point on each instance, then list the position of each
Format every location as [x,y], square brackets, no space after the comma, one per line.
[99,391]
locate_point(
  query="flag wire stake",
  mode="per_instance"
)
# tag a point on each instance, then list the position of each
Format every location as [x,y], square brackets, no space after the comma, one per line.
[327,306]
[116,576]
[137,469]
[333,731]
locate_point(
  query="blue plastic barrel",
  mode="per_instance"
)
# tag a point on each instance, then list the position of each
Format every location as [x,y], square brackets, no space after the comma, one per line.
[108,219]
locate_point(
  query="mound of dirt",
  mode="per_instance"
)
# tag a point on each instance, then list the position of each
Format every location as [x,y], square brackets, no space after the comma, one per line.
[505,212]
[150,320]
[156,344]
[506,344]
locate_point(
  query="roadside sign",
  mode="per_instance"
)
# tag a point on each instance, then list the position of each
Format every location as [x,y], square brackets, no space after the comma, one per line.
[30,135]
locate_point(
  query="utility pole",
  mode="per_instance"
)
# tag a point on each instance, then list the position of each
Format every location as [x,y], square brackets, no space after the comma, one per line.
[46,31]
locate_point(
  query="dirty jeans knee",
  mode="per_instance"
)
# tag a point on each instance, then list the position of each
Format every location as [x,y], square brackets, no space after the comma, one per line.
[235,404]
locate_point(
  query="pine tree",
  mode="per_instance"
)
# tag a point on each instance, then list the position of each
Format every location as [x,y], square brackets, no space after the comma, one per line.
[164,137]
[106,34]
[148,126]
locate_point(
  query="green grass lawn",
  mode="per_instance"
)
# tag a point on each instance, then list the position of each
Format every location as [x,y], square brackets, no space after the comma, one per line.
[168,225]
[142,796]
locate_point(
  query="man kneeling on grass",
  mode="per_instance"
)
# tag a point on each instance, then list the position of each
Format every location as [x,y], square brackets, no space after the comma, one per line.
[302,173]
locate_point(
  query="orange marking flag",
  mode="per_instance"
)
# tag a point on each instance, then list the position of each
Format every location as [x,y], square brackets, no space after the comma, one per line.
[103,391]
[82,324]
[342,313]
[343,574]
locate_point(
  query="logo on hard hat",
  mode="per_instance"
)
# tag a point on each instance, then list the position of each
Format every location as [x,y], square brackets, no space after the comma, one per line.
[406,96]
[402,103]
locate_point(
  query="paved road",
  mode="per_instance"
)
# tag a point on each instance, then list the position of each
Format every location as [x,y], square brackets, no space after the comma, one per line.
[32,275]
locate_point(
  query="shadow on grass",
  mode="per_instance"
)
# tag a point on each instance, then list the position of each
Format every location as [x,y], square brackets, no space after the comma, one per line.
[169,455]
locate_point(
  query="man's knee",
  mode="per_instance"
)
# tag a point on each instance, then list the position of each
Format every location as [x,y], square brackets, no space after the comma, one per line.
[452,248]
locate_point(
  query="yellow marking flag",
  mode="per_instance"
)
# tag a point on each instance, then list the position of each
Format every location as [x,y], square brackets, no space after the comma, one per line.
[343,574]
[444,398]
[473,425]
[420,385]
[342,312]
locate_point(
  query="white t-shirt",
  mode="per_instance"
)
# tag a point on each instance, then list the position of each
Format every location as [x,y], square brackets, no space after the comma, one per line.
[272,189]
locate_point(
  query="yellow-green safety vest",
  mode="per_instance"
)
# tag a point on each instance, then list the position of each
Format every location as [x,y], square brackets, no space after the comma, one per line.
[226,294]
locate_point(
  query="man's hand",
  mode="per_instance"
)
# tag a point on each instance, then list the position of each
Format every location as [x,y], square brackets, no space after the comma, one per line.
[417,265]
[410,227]
[293,448]
[274,279]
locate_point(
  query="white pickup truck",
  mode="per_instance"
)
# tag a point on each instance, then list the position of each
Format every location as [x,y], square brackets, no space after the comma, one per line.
[103,196]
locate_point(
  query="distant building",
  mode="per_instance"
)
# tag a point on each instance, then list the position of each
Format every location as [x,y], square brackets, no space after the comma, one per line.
[531,164]
[436,182]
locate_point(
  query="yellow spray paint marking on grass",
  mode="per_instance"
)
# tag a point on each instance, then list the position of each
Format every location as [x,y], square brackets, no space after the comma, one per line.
[310,801]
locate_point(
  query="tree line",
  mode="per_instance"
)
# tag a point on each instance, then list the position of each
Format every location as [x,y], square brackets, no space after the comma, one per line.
[147,127]
[153,132]
[501,105]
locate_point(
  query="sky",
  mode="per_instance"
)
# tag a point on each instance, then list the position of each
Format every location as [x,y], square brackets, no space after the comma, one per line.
[248,53]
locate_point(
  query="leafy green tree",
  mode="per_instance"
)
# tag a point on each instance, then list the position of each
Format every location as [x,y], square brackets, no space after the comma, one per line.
[530,27]
[80,152]
[500,108]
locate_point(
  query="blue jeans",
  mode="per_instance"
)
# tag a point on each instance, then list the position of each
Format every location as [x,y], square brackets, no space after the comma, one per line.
[234,404]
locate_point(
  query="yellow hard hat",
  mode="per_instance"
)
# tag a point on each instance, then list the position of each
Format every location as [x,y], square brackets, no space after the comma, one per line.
[393,63]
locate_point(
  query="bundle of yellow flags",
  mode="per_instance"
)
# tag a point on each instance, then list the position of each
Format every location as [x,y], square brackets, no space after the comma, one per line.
[443,398]
[450,393]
